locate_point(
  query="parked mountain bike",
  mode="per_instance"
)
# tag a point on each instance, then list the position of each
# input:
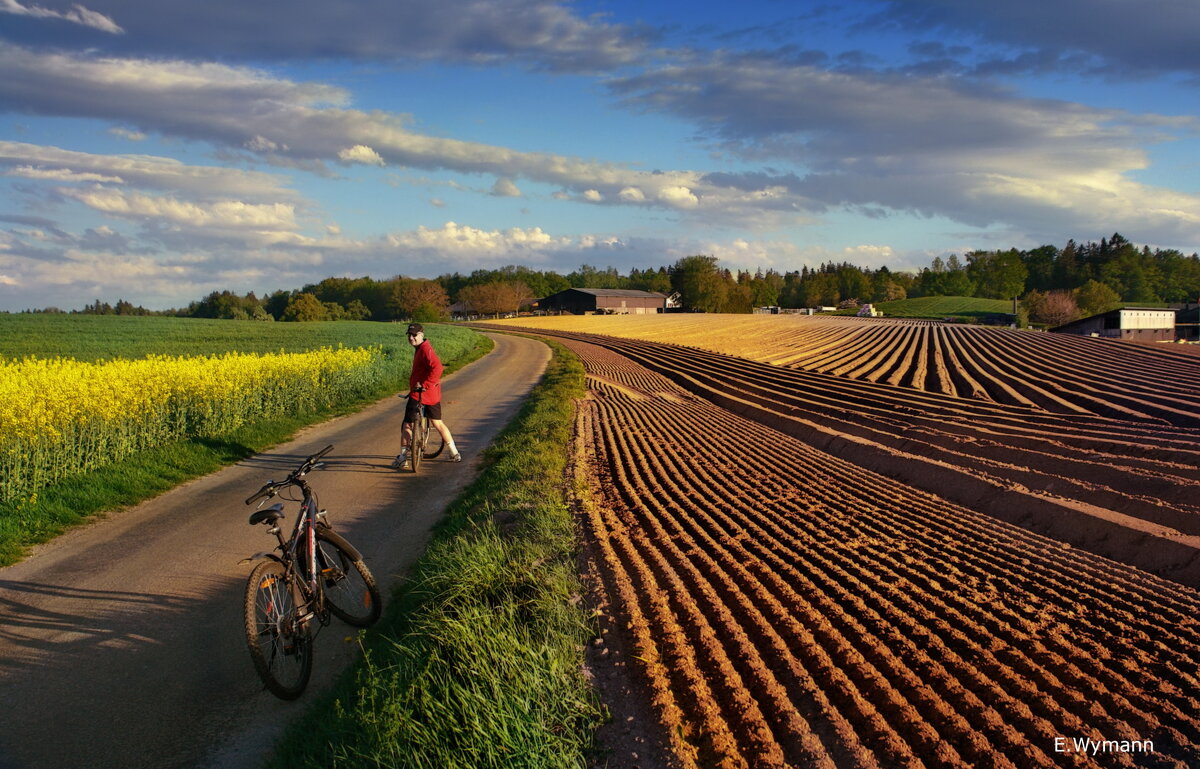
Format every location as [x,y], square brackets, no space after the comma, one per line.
[293,589]
[425,441]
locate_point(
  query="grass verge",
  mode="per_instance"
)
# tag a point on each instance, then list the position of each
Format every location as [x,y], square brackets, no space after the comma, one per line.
[478,659]
[55,508]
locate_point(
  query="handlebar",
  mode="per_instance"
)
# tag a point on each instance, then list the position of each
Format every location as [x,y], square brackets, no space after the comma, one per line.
[270,488]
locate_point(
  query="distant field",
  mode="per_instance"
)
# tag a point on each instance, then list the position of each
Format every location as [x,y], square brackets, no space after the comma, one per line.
[104,337]
[944,306]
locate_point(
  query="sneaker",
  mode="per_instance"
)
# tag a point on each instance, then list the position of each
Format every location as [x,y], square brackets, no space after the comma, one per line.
[456,457]
[401,460]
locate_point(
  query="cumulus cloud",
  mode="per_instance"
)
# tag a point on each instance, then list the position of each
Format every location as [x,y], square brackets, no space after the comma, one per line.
[362,154]
[456,239]
[678,196]
[77,15]
[505,188]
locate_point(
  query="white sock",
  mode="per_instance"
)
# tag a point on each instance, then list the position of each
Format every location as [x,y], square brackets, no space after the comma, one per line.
[453,450]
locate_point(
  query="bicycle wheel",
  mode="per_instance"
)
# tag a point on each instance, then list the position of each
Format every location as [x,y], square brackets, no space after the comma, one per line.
[420,433]
[350,591]
[280,644]
[433,443]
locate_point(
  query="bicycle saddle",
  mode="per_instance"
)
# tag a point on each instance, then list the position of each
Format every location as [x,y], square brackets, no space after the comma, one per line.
[270,515]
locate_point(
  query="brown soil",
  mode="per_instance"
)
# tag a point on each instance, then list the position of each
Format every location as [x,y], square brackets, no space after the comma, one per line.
[802,569]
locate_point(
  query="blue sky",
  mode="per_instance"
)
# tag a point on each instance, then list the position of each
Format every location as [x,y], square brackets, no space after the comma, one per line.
[158,151]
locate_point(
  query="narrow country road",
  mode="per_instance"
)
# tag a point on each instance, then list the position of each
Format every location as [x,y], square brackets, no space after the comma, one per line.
[121,643]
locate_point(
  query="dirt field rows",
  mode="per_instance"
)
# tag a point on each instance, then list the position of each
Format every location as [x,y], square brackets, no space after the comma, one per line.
[811,570]
[793,610]
[1051,372]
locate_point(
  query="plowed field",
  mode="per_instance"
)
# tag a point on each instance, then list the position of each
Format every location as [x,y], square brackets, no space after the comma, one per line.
[1052,372]
[817,570]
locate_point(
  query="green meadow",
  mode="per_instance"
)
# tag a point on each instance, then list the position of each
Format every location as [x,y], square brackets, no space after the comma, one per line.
[102,337]
[944,307]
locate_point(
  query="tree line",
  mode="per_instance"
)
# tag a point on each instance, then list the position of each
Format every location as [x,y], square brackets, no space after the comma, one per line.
[1055,285]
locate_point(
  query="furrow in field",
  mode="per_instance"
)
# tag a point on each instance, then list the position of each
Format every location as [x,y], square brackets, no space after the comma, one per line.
[870,624]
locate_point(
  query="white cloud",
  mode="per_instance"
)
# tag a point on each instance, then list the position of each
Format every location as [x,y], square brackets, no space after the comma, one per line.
[60,175]
[681,197]
[205,182]
[5,280]
[77,15]
[240,108]
[221,214]
[504,188]
[360,153]
[878,142]
[125,133]
[262,144]
[454,239]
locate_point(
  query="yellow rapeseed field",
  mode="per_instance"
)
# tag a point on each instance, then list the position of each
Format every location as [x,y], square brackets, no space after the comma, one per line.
[60,416]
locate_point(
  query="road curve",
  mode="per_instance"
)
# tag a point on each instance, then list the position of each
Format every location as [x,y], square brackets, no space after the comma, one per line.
[121,643]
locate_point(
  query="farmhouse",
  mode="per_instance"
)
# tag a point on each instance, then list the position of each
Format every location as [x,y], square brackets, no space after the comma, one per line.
[613,301]
[1142,324]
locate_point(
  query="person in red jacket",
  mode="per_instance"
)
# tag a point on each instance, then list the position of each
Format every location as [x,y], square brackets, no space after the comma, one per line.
[425,380]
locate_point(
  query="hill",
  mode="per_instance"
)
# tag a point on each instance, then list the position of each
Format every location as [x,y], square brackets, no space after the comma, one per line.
[944,307]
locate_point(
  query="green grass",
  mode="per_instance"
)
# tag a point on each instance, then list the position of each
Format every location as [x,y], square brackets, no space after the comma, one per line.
[944,307]
[102,337]
[55,508]
[478,659]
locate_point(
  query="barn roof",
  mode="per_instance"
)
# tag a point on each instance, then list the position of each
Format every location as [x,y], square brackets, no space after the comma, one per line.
[616,292]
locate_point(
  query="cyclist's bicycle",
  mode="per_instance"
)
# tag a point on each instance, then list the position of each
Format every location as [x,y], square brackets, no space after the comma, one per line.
[425,441]
[294,588]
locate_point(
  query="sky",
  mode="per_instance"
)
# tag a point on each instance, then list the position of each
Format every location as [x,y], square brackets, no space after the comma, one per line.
[158,151]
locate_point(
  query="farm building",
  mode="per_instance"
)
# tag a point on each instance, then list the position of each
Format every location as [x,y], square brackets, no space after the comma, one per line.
[1187,322]
[584,301]
[1143,324]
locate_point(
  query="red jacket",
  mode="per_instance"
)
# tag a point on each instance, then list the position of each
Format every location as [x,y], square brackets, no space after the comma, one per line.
[427,371]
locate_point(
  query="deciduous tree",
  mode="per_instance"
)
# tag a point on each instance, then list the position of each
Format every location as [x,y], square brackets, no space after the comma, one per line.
[1095,297]
[305,307]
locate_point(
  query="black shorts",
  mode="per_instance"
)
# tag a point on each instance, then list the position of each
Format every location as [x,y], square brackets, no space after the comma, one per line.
[432,410]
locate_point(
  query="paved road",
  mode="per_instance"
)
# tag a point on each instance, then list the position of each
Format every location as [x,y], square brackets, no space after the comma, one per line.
[121,643]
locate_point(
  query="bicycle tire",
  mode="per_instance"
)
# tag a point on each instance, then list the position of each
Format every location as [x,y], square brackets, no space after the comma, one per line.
[417,450]
[350,589]
[280,645]
[433,443]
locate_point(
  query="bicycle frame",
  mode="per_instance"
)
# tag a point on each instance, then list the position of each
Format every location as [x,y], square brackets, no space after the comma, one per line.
[314,573]
[304,533]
